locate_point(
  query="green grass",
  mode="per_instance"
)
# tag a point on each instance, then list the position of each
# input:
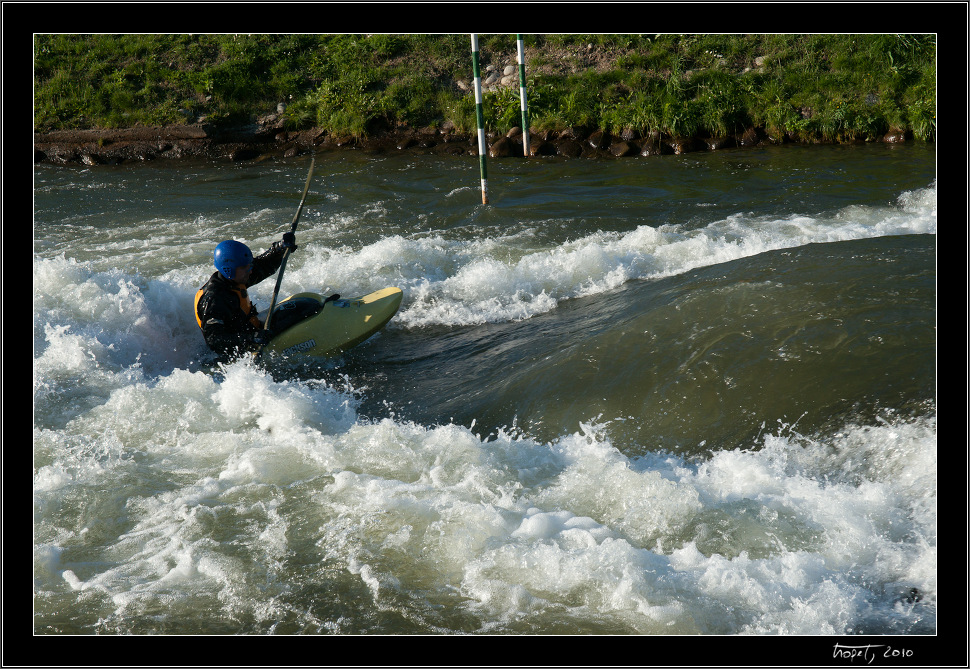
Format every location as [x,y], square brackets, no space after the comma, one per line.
[809,88]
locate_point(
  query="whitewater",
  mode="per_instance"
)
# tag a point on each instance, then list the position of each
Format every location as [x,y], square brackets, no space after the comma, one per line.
[621,400]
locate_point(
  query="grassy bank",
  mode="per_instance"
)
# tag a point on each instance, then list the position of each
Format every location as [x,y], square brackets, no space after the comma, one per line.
[809,88]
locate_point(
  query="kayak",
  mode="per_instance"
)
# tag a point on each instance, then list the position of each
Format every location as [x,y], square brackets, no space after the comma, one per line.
[313,326]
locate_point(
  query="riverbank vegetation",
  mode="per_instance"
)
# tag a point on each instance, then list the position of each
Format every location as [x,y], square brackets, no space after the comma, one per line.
[810,88]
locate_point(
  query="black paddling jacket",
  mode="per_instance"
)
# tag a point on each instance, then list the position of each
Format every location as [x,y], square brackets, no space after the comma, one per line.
[224,312]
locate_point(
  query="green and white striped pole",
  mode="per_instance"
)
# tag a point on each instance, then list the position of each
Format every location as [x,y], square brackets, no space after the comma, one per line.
[480,117]
[525,106]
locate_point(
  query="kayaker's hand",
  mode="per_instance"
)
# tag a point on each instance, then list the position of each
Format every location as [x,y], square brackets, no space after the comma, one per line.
[289,241]
[262,337]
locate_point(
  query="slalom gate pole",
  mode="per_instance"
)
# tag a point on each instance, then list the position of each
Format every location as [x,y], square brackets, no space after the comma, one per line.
[480,117]
[525,107]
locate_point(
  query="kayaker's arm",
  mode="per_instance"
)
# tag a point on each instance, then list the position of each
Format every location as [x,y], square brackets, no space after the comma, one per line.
[266,263]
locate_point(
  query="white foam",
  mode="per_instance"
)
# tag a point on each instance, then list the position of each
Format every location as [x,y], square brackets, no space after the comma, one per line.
[461,283]
[86,319]
[517,528]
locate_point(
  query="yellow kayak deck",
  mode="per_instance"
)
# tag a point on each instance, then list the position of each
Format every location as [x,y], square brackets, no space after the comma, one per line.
[315,326]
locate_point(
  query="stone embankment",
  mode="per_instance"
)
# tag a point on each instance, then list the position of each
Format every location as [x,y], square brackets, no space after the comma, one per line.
[266,139]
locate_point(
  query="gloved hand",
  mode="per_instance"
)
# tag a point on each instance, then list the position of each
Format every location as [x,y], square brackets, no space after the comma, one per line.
[289,241]
[261,337]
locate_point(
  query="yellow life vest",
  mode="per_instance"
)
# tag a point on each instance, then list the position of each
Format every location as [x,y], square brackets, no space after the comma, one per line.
[198,296]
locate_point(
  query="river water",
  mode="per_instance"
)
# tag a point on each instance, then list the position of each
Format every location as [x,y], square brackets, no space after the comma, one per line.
[671,396]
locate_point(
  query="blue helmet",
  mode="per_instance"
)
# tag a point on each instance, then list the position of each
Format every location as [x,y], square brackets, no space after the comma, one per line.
[231,254]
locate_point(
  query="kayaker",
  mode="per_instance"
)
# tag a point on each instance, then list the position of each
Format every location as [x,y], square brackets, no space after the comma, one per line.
[230,322]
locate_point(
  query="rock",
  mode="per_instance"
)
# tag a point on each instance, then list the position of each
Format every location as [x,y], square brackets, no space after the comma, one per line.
[577,134]
[542,148]
[681,145]
[628,135]
[501,149]
[717,143]
[450,150]
[895,136]
[598,140]
[243,153]
[569,148]
[749,137]
[622,149]
[455,138]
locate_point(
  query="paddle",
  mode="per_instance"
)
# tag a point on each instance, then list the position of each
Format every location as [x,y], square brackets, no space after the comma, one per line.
[286,254]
